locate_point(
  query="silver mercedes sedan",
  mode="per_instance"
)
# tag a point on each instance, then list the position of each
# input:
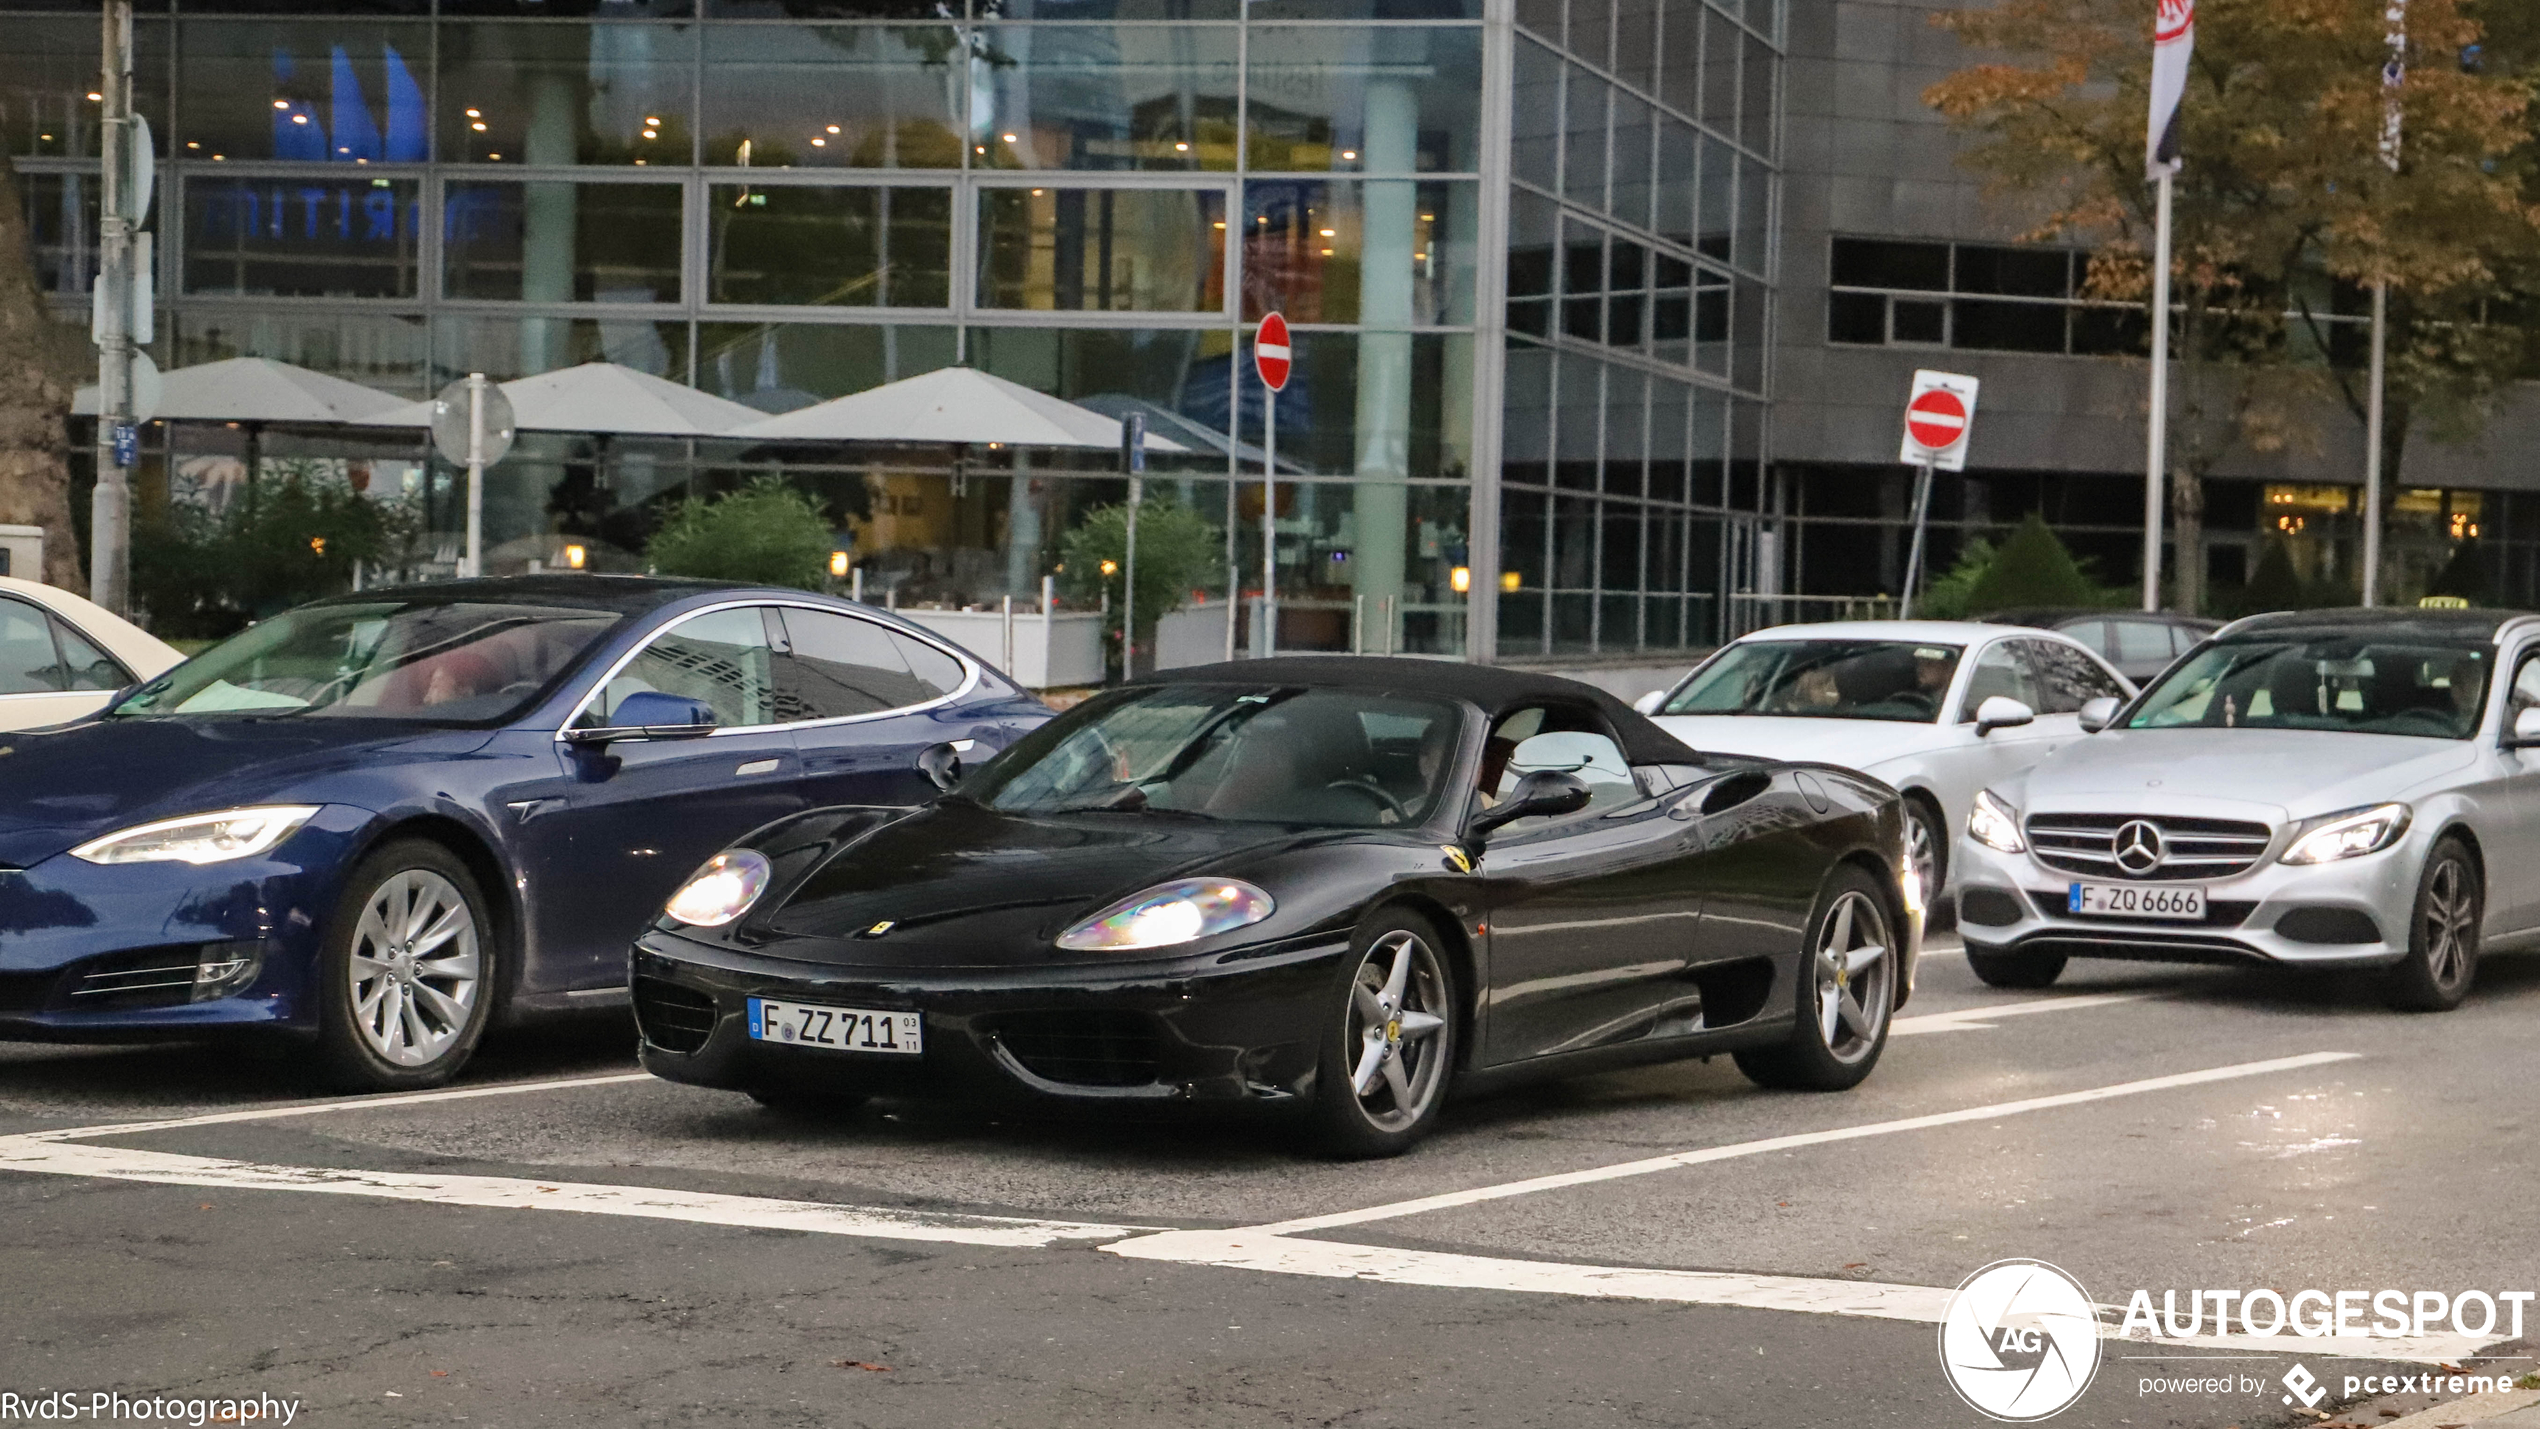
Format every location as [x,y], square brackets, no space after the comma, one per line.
[2335,788]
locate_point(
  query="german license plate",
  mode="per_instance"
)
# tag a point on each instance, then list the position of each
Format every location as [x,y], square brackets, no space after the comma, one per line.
[840,1029]
[2136,900]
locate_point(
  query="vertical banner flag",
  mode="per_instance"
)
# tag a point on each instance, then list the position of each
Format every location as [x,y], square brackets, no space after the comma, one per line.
[2173,41]
[2394,74]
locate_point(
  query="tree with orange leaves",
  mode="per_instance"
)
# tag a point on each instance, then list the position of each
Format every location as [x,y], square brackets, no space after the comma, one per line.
[2284,208]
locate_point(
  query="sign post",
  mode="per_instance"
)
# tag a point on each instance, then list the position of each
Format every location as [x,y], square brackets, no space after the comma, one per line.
[1270,358]
[1938,415]
[472,428]
[1133,460]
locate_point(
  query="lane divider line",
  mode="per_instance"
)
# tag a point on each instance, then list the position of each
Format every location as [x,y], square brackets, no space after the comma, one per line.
[1980,1019]
[1452,1199]
[357,1103]
[21,1153]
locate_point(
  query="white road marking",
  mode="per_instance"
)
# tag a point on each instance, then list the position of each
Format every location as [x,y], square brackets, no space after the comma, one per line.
[1979,1019]
[120,1163]
[1452,1199]
[361,1103]
[1256,1249]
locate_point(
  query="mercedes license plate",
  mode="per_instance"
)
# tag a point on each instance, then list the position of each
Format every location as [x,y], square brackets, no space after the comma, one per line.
[840,1029]
[2136,900]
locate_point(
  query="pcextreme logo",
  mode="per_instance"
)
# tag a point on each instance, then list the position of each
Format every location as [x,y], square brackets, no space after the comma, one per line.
[2019,1341]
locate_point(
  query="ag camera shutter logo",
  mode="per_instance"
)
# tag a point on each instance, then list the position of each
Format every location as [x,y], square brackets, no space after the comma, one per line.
[2019,1341]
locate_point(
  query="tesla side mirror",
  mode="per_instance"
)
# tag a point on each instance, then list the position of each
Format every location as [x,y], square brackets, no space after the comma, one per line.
[2002,712]
[650,714]
[1546,791]
[2095,714]
[2526,731]
[941,764]
[1649,703]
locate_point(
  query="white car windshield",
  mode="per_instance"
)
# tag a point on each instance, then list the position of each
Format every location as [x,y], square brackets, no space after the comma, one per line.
[1822,679]
[2428,689]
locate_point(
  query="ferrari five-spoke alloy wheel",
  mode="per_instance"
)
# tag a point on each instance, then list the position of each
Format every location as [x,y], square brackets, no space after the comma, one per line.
[409,966]
[1847,987]
[1390,1054]
[2442,954]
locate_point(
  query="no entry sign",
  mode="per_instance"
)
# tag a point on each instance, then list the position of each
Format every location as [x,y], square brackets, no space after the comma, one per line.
[1270,352]
[1938,415]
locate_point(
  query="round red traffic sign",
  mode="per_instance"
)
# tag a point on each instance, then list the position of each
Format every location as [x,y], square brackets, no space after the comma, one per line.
[1270,352]
[1937,419]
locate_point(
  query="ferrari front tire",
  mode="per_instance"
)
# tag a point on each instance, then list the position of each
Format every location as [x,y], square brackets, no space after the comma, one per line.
[1847,988]
[1389,1045]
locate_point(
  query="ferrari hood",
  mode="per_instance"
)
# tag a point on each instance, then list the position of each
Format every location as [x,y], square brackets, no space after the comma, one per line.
[2268,773]
[958,885]
[1853,743]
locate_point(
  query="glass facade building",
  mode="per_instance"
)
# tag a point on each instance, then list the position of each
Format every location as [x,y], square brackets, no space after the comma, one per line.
[1526,247]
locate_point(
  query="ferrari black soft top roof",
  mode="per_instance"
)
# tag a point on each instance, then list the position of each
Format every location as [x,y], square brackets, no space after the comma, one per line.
[1491,687]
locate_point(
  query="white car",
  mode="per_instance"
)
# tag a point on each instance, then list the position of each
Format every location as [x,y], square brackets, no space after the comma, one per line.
[62,657]
[1937,708]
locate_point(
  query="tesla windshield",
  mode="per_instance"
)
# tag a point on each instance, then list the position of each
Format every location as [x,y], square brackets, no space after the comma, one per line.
[1823,679]
[2415,687]
[1333,757]
[445,661]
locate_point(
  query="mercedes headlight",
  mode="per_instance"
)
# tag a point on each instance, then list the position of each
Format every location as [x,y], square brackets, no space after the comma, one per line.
[721,891]
[200,838]
[1167,914]
[1995,824]
[2356,831]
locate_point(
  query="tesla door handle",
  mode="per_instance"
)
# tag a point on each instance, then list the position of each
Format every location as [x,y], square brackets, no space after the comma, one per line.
[755,766]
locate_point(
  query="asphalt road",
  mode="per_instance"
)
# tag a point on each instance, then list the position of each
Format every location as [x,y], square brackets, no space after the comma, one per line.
[569,1245]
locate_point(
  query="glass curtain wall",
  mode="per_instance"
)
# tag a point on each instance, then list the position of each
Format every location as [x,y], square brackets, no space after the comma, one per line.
[784,201]
[1634,513]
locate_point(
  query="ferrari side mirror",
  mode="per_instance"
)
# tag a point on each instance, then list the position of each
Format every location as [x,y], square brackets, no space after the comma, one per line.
[1649,703]
[941,764]
[1546,791]
[2002,712]
[2095,714]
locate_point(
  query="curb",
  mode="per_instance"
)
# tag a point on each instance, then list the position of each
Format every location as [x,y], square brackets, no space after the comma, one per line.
[2463,1413]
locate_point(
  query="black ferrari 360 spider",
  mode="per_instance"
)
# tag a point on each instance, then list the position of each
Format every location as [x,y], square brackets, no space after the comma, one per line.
[1343,886]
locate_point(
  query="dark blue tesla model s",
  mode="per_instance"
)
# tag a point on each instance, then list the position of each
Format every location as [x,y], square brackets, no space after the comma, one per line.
[382,821]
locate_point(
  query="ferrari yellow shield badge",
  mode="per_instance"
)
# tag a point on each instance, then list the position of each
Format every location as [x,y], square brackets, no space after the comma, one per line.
[1456,858]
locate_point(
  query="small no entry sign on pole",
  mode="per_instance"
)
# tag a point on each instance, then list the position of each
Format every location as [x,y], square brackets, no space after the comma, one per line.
[1270,352]
[1939,413]
[1272,362]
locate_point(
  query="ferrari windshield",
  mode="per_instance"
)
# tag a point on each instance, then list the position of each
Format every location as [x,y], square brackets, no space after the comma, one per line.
[443,661]
[1822,679]
[2429,689]
[1341,758]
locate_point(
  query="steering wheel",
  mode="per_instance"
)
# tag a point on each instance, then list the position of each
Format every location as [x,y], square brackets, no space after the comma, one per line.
[1387,802]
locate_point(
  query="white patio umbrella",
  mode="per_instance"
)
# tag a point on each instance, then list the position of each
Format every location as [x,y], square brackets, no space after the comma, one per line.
[256,389]
[605,399]
[949,405]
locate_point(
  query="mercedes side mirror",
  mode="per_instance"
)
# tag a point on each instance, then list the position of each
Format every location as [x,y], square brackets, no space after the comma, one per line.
[2002,712]
[1546,791]
[649,714]
[1648,704]
[2526,731]
[941,764]
[2095,714]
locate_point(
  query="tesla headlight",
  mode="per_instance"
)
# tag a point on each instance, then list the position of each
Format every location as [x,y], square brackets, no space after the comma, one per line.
[1995,824]
[721,891]
[1169,913]
[2356,831]
[200,838]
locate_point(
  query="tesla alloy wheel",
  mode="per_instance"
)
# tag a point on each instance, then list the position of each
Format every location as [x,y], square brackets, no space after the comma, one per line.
[2442,933]
[409,967]
[1390,1048]
[1847,986]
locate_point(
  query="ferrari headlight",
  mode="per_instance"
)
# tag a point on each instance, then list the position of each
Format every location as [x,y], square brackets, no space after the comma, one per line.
[1169,913]
[1995,824]
[2356,831]
[200,838]
[721,891]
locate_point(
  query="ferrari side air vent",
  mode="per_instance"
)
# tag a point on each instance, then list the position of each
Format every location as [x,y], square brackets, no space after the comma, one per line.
[1735,790]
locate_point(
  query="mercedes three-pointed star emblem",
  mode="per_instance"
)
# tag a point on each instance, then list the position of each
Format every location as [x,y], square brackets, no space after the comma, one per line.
[2138,847]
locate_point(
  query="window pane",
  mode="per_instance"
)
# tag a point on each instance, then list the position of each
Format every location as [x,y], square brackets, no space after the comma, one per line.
[939,673]
[566,93]
[1635,136]
[2013,272]
[1918,321]
[835,247]
[1183,372]
[842,666]
[28,665]
[556,242]
[86,667]
[383,350]
[1856,317]
[334,91]
[841,96]
[1719,73]
[505,348]
[778,367]
[1375,404]
[2009,327]
[1873,263]
[722,658]
[323,236]
[1678,168]
[1636,42]
[1583,136]
[1103,250]
[1099,97]
[1384,101]
[1679,76]
[1718,196]
[1755,122]
[48,68]
[61,229]
[1384,252]
[1535,140]
[2140,642]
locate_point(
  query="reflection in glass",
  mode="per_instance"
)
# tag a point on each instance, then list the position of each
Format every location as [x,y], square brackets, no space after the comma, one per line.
[833,96]
[333,92]
[842,247]
[1096,97]
[505,348]
[1380,101]
[558,242]
[566,93]
[317,236]
[61,230]
[1103,250]
[779,367]
[48,73]
[1534,145]
[382,350]
[1583,139]
[1382,252]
